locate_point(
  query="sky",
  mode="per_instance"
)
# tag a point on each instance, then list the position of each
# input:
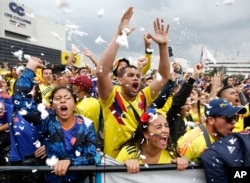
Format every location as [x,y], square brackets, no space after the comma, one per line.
[221,26]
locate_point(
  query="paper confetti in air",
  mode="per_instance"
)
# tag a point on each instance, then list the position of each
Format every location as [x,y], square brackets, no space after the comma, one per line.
[177,21]
[66,10]
[158,77]
[51,161]
[37,144]
[42,108]
[228,2]
[77,153]
[99,40]
[18,54]
[122,40]
[62,3]
[56,35]
[100,12]
[142,29]
[27,57]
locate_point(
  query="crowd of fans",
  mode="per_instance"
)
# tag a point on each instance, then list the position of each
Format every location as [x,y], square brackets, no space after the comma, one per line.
[131,114]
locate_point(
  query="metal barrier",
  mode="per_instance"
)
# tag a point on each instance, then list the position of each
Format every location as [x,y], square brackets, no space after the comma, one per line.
[103,172]
[95,169]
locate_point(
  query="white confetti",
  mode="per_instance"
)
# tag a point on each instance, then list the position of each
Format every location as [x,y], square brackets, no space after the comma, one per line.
[66,10]
[217,4]
[62,3]
[74,48]
[27,57]
[56,35]
[37,144]
[23,112]
[77,153]
[34,170]
[100,13]
[228,2]
[18,54]
[158,77]
[177,20]
[142,29]
[99,40]
[51,161]
[122,40]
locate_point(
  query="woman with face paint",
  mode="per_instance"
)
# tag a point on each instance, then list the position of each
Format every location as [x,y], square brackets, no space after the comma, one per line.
[150,144]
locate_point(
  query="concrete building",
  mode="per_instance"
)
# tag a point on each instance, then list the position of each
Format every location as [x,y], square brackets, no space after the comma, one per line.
[23,33]
[231,65]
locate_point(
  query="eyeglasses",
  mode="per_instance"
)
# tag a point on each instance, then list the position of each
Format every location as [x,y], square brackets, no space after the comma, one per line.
[228,119]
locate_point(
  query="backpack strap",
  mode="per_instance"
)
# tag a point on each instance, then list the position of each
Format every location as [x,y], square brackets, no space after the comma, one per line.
[100,138]
[205,134]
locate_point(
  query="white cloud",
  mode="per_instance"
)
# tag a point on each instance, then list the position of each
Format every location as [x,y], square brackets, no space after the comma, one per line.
[220,27]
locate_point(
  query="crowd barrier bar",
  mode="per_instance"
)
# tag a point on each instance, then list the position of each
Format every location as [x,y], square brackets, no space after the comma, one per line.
[95,169]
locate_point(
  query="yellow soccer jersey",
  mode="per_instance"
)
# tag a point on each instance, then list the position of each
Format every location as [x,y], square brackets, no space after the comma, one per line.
[239,125]
[192,144]
[119,118]
[132,152]
[195,116]
[12,83]
[46,92]
[167,104]
[89,108]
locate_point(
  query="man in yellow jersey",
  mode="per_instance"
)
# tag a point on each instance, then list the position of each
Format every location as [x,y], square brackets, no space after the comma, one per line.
[61,75]
[122,108]
[86,105]
[232,94]
[46,86]
[221,117]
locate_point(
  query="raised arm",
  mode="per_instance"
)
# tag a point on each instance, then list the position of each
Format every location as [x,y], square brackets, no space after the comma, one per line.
[89,54]
[105,64]
[148,54]
[216,85]
[161,38]
[73,53]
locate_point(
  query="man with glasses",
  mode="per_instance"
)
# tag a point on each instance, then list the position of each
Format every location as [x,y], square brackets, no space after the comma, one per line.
[221,117]
[226,157]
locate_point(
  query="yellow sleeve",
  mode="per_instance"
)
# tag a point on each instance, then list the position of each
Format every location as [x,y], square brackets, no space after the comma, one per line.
[148,65]
[248,112]
[167,104]
[192,144]
[127,152]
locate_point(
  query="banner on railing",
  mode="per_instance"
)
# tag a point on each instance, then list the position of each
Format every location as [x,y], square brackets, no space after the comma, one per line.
[162,176]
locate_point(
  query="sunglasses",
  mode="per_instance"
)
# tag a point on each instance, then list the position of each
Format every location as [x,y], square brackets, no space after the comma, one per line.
[229,119]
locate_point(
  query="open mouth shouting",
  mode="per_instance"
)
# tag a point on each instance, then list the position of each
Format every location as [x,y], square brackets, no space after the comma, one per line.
[135,87]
